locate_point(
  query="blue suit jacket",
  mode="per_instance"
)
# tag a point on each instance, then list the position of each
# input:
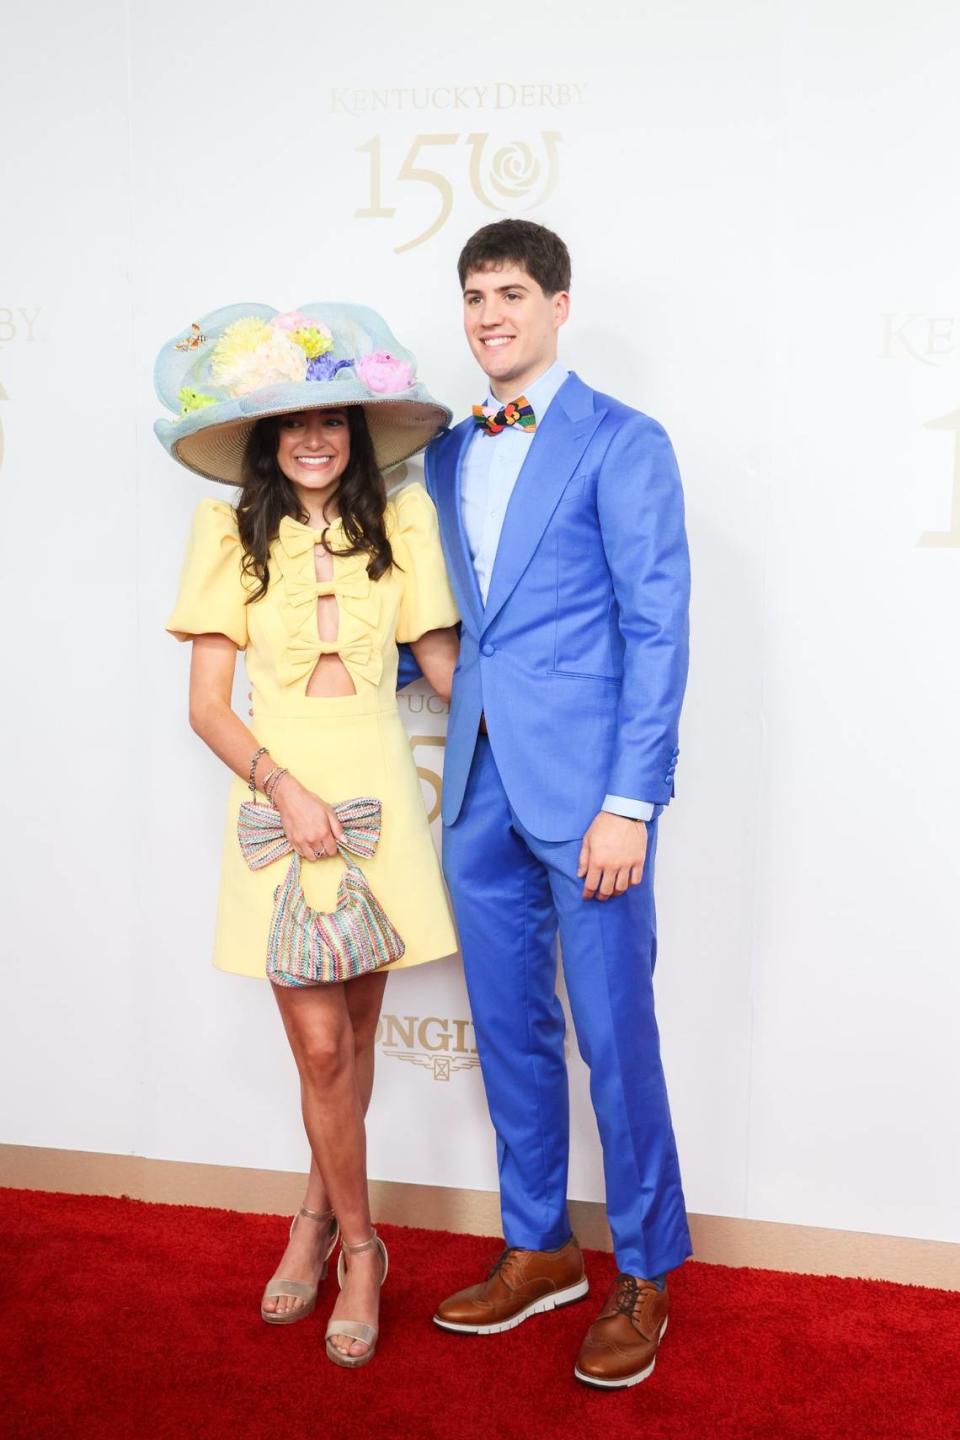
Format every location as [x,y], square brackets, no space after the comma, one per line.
[579,658]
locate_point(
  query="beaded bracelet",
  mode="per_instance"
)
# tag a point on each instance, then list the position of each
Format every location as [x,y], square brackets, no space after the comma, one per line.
[275,785]
[252,782]
[267,778]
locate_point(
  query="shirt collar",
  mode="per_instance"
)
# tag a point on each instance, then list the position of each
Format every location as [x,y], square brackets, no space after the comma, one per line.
[540,393]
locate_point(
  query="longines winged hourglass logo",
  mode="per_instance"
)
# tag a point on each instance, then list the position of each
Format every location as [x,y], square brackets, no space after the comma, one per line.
[440,1045]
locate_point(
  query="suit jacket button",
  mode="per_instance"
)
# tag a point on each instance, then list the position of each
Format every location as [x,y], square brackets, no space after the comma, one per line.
[487,649]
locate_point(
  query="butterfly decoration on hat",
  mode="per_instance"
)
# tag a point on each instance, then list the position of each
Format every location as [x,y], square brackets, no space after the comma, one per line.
[193,341]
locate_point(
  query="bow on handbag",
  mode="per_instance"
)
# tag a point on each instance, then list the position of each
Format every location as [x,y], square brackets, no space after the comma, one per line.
[317,947]
[263,838]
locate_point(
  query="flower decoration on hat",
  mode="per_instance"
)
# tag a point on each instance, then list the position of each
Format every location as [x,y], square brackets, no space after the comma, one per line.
[383,373]
[313,338]
[326,367]
[243,363]
[191,400]
[252,354]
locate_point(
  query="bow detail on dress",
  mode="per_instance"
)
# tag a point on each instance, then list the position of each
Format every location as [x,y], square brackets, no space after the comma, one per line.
[297,539]
[298,591]
[361,657]
[345,587]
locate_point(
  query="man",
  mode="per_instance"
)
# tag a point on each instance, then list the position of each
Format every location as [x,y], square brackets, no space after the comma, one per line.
[562,521]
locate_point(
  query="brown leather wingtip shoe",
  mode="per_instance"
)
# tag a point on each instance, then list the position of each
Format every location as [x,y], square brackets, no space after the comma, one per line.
[620,1348]
[521,1283]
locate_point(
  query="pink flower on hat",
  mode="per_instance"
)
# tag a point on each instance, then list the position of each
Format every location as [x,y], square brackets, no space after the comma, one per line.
[383,373]
[291,320]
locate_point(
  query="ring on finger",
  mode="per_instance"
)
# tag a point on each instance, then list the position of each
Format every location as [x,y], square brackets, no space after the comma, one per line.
[319,854]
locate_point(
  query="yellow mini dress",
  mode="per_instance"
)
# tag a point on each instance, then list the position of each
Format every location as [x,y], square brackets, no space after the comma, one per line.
[338,747]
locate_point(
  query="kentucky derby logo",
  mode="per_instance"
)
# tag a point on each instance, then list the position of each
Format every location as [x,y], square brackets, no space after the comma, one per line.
[949,538]
[17,323]
[441,1046]
[3,396]
[514,176]
[498,95]
[929,339]
[433,779]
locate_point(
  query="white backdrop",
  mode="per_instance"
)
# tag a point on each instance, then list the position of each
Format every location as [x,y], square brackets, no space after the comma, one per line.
[764,230]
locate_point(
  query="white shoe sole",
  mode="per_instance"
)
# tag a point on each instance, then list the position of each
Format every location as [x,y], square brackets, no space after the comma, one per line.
[621,1384]
[539,1307]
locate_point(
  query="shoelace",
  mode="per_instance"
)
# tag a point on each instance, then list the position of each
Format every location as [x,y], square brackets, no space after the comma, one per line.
[501,1261]
[626,1294]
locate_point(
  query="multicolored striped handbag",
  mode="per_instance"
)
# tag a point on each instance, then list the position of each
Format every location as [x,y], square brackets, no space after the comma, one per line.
[317,947]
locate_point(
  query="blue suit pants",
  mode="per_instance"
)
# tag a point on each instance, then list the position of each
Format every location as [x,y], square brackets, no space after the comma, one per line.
[512,894]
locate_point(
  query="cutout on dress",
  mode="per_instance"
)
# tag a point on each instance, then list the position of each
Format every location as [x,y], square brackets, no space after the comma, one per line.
[330,678]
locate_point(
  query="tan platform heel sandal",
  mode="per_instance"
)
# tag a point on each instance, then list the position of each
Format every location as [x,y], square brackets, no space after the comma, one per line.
[355,1329]
[298,1289]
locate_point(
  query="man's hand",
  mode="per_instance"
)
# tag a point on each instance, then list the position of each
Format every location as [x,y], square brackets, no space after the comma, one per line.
[612,856]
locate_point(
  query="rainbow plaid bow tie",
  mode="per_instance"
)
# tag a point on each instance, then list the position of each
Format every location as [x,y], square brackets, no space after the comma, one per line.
[517,412]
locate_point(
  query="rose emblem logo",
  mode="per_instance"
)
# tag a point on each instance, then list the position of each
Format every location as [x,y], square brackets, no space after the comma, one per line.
[515,172]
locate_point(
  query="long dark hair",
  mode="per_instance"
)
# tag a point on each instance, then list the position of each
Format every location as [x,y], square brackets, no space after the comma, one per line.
[267,496]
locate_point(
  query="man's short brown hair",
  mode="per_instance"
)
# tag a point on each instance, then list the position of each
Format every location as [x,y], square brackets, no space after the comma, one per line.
[518,242]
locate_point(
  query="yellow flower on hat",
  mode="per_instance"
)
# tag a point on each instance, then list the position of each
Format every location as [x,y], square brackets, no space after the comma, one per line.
[239,339]
[314,340]
[252,354]
[191,400]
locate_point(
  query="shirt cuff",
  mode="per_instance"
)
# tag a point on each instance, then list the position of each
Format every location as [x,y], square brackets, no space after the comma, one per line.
[632,809]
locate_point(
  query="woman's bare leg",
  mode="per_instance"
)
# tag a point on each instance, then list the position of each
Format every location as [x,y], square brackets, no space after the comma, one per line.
[332,1038]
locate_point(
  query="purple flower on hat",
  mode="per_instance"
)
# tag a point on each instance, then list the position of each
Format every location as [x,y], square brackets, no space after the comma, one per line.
[325,367]
[383,373]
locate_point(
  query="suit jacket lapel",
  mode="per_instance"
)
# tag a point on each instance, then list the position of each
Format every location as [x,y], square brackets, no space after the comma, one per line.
[555,452]
[449,463]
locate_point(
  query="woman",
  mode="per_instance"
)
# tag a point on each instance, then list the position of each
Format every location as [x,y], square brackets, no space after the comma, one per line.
[315,575]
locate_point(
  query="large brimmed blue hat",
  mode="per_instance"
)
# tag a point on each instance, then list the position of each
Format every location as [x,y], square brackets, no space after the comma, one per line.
[242,363]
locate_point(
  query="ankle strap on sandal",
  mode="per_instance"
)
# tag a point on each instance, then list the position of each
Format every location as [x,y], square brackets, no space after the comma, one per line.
[363,1245]
[321,1216]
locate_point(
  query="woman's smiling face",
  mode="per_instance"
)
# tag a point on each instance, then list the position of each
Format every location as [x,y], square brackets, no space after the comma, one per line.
[313,448]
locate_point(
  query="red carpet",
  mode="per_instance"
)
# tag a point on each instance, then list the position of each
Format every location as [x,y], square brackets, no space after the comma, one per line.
[126,1321]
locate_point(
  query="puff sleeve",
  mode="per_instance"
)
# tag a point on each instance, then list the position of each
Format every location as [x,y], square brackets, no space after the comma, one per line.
[426,603]
[212,593]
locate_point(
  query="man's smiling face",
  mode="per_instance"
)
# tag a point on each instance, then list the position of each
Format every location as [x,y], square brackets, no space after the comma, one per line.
[511,326]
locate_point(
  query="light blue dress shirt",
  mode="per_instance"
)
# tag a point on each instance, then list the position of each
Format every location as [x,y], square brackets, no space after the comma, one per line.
[490,470]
